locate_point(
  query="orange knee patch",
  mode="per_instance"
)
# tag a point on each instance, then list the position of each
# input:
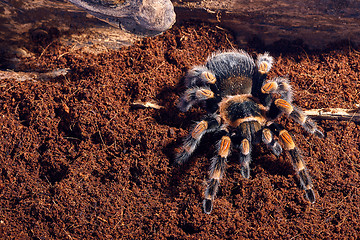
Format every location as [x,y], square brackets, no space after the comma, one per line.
[199,129]
[224,146]
[210,78]
[263,68]
[284,105]
[269,87]
[267,136]
[245,147]
[204,94]
[287,140]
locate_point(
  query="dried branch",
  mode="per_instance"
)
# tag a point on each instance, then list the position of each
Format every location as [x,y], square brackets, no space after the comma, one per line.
[339,114]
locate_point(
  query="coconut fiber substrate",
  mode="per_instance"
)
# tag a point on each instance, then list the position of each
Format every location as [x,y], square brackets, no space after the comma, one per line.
[80,160]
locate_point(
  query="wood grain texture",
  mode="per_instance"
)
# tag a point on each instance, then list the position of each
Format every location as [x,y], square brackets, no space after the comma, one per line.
[317,23]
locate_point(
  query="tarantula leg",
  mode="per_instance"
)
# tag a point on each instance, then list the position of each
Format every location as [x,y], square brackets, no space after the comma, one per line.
[193,96]
[217,169]
[278,85]
[210,123]
[298,163]
[307,123]
[247,133]
[264,63]
[303,174]
[245,158]
[299,116]
[199,76]
[268,139]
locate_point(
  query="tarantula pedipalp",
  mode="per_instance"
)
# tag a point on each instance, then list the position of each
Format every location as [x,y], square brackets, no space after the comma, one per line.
[242,108]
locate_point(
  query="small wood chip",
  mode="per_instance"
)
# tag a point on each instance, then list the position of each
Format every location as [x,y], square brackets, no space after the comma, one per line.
[146,104]
[53,74]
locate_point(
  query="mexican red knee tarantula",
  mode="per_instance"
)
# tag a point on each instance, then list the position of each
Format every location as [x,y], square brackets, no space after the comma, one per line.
[242,107]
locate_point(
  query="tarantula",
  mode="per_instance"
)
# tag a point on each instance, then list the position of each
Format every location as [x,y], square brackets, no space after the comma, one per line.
[242,108]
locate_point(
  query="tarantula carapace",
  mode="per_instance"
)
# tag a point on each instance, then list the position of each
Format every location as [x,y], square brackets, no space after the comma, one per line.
[242,108]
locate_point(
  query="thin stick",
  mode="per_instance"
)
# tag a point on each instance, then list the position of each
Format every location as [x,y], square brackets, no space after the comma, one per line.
[339,114]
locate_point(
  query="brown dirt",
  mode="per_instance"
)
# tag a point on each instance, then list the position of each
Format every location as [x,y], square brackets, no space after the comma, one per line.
[79,162]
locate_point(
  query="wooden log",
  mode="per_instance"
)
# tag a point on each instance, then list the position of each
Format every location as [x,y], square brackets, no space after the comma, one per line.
[316,23]
[26,21]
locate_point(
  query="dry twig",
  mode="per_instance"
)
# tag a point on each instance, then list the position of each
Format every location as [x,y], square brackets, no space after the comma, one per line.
[339,114]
